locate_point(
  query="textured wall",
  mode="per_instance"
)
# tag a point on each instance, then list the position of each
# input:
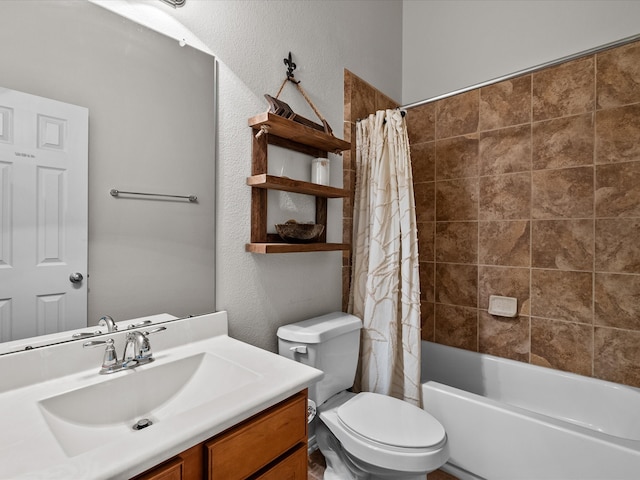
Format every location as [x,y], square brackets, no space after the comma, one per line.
[530,188]
[250,40]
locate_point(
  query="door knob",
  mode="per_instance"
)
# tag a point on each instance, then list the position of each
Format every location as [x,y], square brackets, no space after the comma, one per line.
[76,277]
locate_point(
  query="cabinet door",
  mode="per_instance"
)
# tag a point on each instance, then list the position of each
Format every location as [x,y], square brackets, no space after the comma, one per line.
[293,467]
[171,470]
[242,451]
[186,466]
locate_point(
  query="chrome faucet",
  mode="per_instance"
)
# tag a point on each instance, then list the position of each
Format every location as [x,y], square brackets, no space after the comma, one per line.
[108,322]
[137,351]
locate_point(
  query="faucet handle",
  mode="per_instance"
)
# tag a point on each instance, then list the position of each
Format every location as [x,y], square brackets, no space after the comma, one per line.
[110,360]
[138,325]
[155,330]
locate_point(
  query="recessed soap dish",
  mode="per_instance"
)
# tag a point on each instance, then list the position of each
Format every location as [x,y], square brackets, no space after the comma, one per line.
[503,306]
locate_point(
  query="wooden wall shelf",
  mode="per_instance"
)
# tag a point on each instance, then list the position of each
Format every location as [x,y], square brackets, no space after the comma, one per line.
[295,247]
[290,130]
[295,186]
[270,129]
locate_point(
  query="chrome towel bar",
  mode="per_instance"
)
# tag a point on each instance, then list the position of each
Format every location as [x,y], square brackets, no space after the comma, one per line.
[115,192]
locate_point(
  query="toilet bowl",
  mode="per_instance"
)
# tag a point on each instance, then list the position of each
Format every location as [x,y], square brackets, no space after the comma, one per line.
[383,436]
[361,435]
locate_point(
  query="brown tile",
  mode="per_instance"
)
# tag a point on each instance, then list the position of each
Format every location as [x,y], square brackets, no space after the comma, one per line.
[346,259]
[423,161]
[457,115]
[562,295]
[504,243]
[424,194]
[359,97]
[457,284]
[383,102]
[505,103]
[617,300]
[563,193]
[349,132]
[427,281]
[617,133]
[426,242]
[457,157]
[504,281]
[505,151]
[348,179]
[505,197]
[421,123]
[346,283]
[562,244]
[618,77]
[457,242]
[347,229]
[348,170]
[562,345]
[617,357]
[504,337]
[563,142]
[567,89]
[427,321]
[457,200]
[618,190]
[617,247]
[457,326]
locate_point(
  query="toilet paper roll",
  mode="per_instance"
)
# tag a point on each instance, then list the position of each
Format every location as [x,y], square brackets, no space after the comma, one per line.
[311,410]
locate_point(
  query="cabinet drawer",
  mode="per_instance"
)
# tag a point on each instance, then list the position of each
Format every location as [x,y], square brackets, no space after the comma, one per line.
[186,466]
[293,467]
[255,443]
[170,470]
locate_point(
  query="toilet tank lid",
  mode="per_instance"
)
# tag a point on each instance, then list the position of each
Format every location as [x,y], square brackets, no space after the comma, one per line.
[320,329]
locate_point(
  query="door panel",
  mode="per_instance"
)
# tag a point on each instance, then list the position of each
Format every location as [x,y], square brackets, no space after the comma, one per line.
[43,215]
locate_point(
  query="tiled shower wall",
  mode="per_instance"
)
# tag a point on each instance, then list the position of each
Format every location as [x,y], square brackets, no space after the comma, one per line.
[530,188]
[360,99]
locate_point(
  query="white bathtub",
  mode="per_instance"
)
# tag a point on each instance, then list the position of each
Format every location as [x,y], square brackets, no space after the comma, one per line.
[510,420]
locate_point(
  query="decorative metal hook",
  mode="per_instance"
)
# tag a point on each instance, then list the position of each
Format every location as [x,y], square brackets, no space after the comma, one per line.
[290,68]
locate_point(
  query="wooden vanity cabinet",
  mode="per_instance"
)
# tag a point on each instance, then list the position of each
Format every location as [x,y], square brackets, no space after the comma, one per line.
[271,445]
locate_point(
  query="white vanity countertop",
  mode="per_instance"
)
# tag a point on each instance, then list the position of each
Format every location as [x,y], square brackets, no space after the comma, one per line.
[29,449]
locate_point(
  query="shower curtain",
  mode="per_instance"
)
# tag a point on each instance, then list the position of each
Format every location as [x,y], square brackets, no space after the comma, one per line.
[385,286]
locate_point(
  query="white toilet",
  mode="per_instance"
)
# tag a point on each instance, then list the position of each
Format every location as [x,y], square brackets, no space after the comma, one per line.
[365,435]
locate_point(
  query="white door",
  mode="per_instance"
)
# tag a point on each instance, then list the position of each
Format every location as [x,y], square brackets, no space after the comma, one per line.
[43,215]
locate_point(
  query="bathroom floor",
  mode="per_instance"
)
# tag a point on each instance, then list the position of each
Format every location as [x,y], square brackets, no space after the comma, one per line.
[316,466]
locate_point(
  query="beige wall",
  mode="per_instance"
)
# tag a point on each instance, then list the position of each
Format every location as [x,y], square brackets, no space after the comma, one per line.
[529,188]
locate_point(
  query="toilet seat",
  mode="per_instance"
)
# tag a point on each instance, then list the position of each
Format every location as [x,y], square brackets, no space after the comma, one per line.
[362,427]
[390,421]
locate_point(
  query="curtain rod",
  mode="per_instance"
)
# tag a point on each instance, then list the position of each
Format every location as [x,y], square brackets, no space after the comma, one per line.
[551,63]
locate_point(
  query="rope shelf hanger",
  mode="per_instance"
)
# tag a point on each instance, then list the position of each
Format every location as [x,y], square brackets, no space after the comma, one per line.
[282,109]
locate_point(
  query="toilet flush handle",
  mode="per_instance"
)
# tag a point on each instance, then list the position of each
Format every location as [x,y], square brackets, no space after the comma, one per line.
[299,349]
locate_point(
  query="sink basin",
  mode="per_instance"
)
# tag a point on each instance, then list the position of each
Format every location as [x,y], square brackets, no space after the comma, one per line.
[88,417]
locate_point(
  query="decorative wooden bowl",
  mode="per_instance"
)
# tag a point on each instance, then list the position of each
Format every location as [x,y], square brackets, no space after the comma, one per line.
[294,232]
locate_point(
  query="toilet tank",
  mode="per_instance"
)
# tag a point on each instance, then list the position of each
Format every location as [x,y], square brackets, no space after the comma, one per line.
[330,343]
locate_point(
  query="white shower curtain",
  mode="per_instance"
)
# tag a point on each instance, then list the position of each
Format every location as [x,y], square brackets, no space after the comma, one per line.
[385,287]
